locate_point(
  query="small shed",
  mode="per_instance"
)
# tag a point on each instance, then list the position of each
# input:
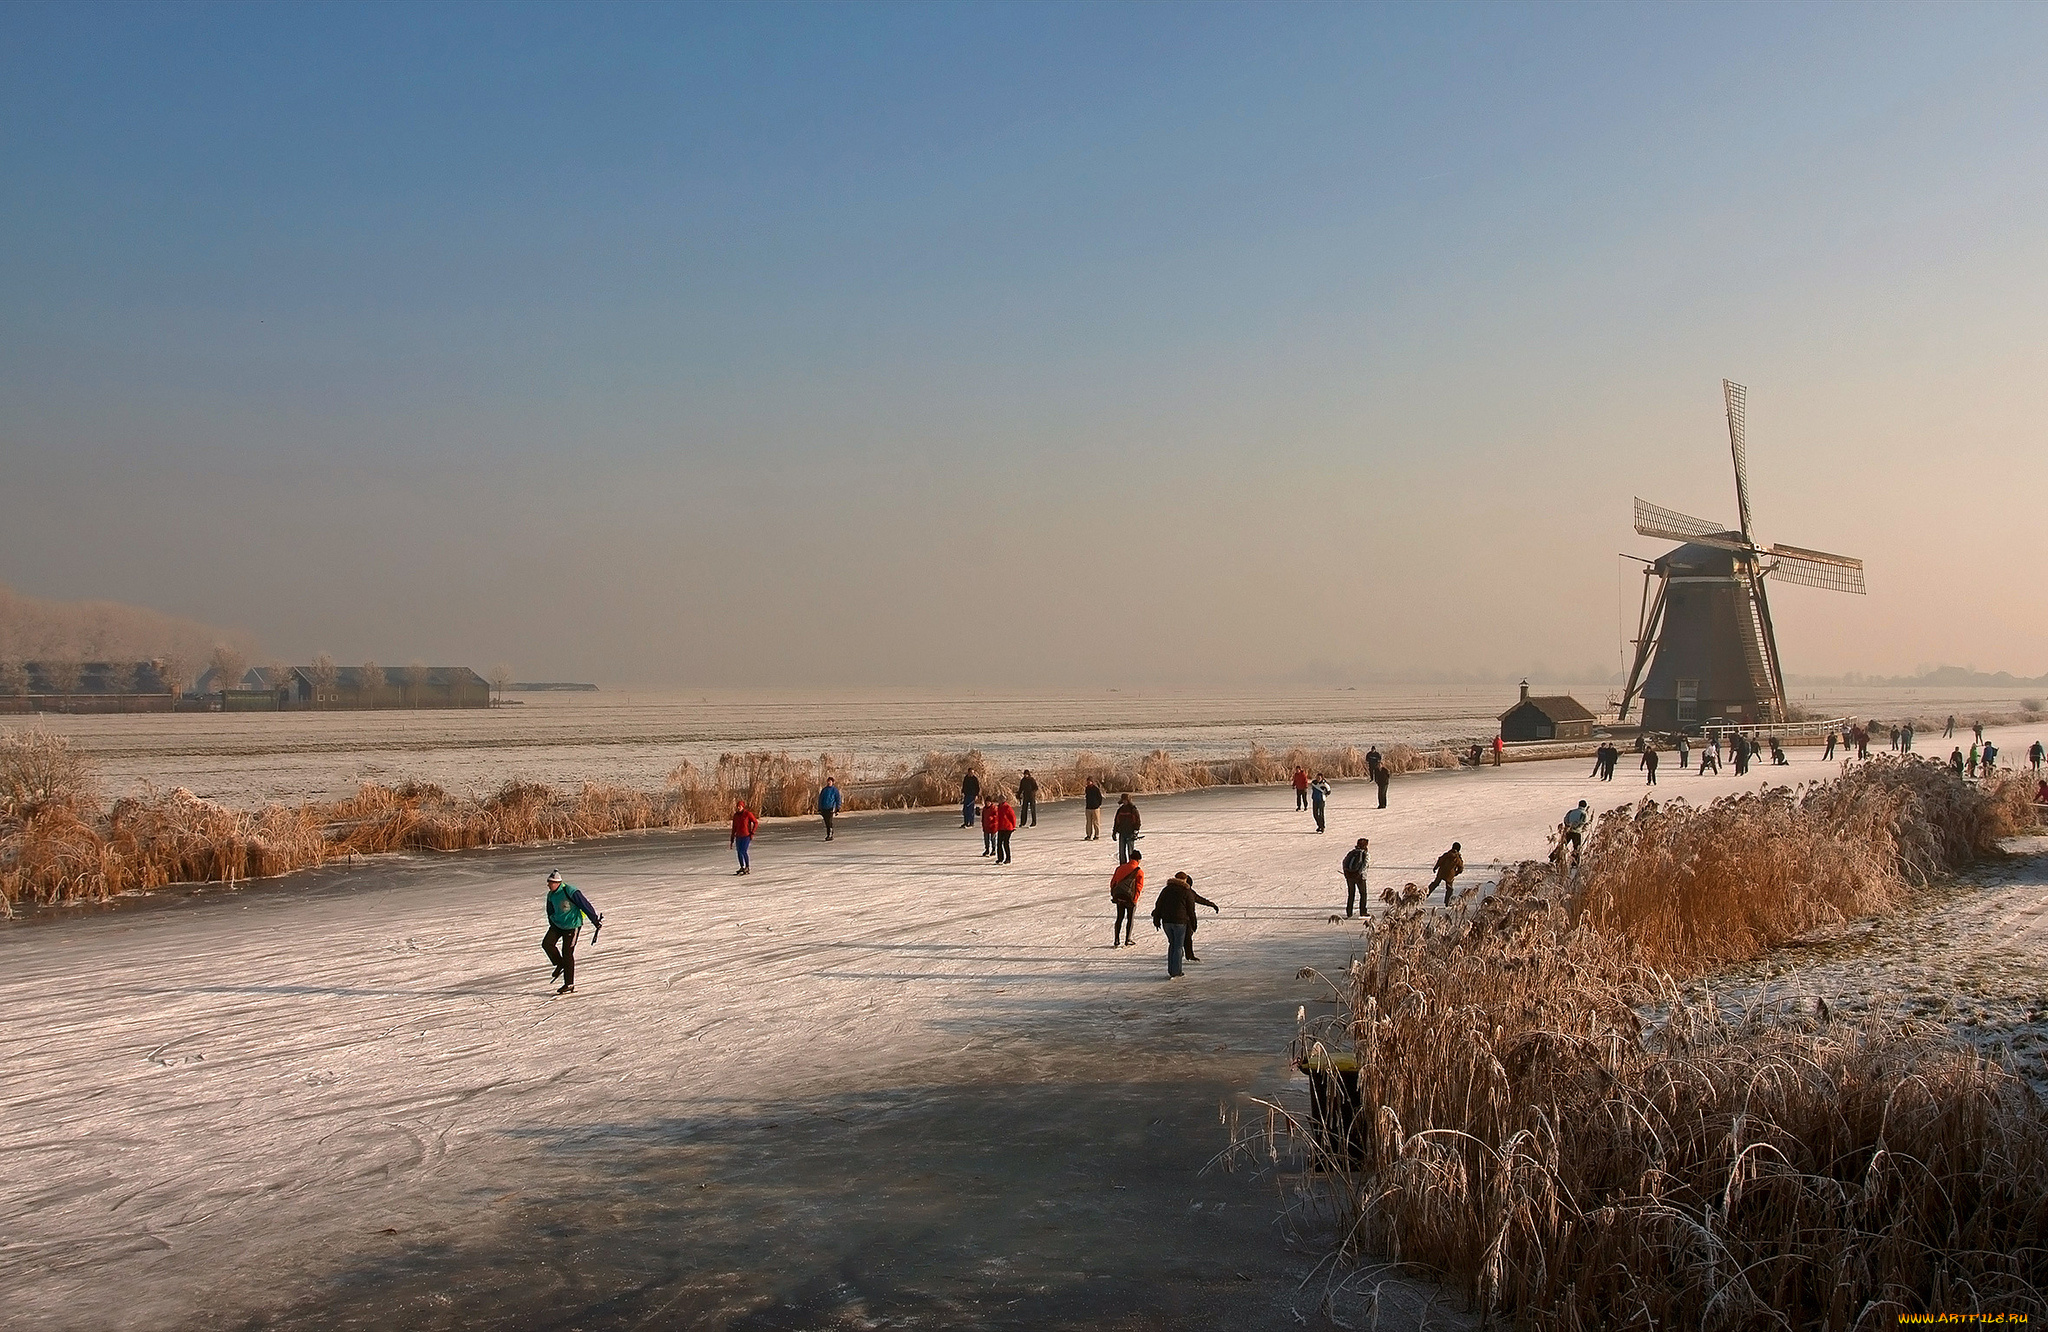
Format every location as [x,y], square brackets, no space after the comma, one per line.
[1553,717]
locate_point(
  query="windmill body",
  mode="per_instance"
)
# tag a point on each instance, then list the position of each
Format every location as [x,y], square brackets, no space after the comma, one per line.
[1705,648]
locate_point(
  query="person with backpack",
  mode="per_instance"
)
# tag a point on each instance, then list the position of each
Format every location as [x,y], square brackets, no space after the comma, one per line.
[567,910]
[1006,823]
[1125,826]
[743,825]
[970,792]
[1091,807]
[829,801]
[1174,912]
[988,827]
[1319,794]
[1126,886]
[1027,800]
[1300,789]
[1449,866]
[1354,867]
[1380,775]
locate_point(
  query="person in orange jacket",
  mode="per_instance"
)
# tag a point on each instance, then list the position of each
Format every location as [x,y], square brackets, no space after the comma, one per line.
[1006,823]
[1125,887]
[988,827]
[743,825]
[1300,788]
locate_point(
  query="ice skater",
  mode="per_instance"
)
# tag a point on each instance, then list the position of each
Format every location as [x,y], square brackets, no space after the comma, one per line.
[988,827]
[1955,761]
[1381,773]
[1354,867]
[743,825]
[1830,754]
[1006,823]
[1949,729]
[1319,795]
[2035,754]
[1649,765]
[1126,886]
[829,801]
[1778,759]
[970,794]
[1091,811]
[1300,789]
[1684,752]
[1970,768]
[1710,761]
[1575,826]
[1990,758]
[567,910]
[1449,866]
[1027,800]
[1173,912]
[1125,826]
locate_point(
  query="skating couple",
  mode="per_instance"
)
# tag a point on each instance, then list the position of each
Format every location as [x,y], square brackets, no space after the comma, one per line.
[998,821]
[1174,912]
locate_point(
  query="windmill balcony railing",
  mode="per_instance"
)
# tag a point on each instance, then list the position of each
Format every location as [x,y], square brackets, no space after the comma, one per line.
[1811,732]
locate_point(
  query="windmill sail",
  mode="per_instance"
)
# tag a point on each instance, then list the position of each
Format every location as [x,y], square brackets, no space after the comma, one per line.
[1654,520]
[1738,398]
[1817,568]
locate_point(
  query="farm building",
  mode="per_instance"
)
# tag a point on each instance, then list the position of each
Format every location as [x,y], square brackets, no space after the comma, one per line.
[399,687]
[1554,717]
[84,686]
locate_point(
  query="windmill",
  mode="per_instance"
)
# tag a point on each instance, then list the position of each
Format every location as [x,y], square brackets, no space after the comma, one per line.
[1705,631]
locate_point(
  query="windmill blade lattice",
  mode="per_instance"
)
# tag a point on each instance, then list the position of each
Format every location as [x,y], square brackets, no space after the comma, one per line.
[1738,399]
[1817,568]
[1654,520]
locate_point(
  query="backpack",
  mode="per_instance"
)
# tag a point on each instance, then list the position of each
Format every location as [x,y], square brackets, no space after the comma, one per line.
[1123,889]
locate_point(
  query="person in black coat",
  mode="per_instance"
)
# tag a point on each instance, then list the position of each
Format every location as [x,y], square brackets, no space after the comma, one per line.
[970,792]
[1174,912]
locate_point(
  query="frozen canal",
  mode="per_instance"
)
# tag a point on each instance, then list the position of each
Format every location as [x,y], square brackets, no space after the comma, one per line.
[880,1081]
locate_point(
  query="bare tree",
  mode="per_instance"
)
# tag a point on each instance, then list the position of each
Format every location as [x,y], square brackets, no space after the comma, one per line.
[325,673]
[416,676]
[62,676]
[175,674]
[13,679]
[229,666]
[501,680]
[373,684]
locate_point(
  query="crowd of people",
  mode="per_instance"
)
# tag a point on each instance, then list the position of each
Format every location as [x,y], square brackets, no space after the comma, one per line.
[1174,909]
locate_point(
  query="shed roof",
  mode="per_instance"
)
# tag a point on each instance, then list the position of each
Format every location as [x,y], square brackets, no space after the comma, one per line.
[1557,707]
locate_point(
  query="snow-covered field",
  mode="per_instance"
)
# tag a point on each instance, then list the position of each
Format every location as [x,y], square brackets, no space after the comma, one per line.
[881,1080]
[247,759]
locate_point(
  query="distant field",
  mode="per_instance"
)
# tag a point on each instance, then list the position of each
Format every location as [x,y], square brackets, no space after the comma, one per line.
[636,738]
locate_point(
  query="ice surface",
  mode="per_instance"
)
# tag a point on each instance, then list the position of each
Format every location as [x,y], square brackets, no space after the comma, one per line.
[250,758]
[838,1089]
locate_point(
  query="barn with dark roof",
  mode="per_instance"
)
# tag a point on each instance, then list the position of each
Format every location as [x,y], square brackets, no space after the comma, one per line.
[1551,717]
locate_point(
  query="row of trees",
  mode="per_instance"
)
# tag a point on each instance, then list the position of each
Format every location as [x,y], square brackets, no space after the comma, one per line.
[230,665]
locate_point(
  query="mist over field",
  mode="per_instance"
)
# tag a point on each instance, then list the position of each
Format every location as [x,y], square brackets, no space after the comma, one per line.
[1004,346]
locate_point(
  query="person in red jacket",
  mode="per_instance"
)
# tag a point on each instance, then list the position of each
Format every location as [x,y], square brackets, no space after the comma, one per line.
[988,827]
[1125,887]
[1006,823]
[743,825]
[1301,788]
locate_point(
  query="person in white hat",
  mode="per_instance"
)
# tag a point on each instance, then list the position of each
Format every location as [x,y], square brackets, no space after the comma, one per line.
[568,908]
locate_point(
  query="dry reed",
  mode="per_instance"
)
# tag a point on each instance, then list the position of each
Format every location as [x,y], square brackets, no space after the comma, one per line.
[1539,1110]
[56,843]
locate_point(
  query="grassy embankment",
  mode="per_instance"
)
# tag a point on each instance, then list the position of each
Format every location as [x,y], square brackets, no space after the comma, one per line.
[1546,1117]
[59,841]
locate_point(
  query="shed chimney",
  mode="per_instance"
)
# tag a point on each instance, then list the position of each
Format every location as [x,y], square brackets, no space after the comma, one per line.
[1525,691]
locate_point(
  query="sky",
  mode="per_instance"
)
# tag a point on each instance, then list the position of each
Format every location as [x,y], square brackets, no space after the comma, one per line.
[1020,346]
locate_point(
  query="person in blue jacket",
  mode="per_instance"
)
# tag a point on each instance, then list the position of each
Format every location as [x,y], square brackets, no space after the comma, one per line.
[828,805]
[568,908]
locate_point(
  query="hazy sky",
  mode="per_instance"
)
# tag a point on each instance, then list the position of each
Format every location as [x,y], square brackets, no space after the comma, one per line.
[958,344]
